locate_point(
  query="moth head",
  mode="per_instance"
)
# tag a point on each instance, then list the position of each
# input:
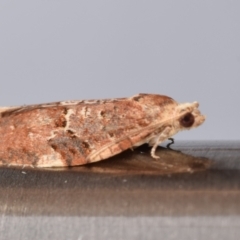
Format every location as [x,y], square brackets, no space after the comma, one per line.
[188,116]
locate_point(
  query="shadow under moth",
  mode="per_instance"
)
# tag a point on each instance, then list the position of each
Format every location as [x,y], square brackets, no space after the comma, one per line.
[74,133]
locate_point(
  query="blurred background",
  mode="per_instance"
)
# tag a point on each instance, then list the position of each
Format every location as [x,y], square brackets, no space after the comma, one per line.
[69,50]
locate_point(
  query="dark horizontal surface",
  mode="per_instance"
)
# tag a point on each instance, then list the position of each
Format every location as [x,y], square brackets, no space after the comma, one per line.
[196,180]
[131,184]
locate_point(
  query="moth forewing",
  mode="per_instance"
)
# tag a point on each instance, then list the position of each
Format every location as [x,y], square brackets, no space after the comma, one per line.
[79,132]
[5,109]
[133,139]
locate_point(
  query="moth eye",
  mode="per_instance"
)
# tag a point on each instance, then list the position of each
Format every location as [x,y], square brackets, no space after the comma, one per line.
[187,120]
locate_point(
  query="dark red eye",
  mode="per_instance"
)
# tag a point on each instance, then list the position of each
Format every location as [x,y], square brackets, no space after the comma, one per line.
[187,120]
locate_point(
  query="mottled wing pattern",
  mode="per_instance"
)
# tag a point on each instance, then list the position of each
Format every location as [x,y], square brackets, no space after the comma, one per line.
[144,117]
[78,132]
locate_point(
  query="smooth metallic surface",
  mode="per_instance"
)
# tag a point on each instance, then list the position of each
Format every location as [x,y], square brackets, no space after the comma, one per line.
[192,192]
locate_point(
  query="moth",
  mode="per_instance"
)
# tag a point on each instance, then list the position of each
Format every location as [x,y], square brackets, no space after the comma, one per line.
[74,133]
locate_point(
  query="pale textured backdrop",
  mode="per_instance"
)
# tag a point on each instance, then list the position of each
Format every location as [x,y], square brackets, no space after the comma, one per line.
[60,50]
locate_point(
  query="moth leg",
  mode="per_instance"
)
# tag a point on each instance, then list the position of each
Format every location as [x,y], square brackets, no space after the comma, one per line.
[169,144]
[161,137]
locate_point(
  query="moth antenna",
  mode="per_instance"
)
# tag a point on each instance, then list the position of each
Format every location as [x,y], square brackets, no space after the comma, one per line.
[169,144]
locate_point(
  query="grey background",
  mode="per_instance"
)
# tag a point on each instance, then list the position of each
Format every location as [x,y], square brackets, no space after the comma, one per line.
[62,50]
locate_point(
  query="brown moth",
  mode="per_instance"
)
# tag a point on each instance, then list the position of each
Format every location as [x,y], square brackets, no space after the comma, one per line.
[79,132]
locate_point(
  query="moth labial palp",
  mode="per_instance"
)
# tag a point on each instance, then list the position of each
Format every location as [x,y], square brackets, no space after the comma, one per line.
[74,133]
